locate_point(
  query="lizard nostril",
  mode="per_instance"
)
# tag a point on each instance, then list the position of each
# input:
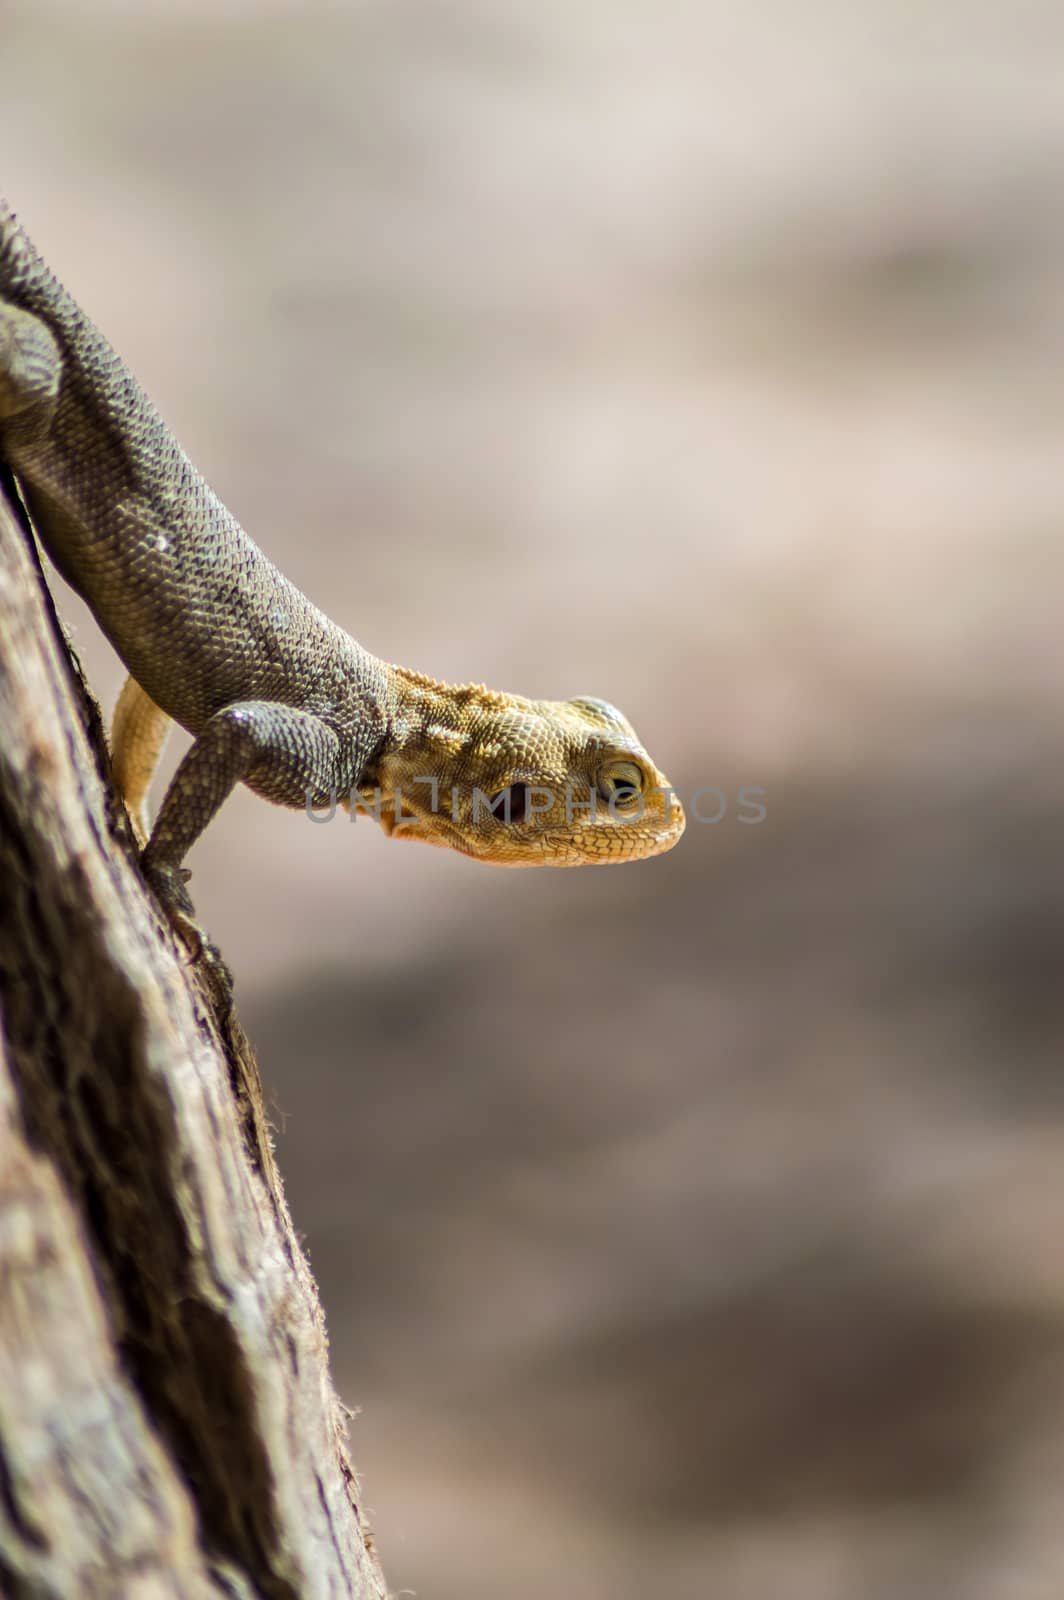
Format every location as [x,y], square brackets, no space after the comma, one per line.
[511,805]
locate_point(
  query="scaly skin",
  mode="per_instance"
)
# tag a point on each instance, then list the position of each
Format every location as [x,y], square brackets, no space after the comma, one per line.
[276,695]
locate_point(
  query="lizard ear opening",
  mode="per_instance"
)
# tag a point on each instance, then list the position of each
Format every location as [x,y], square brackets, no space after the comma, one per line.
[511,805]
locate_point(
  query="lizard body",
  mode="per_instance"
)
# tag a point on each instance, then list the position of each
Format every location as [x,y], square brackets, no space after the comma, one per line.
[275,694]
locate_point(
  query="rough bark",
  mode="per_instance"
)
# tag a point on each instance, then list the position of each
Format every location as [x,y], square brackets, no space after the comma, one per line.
[168,1425]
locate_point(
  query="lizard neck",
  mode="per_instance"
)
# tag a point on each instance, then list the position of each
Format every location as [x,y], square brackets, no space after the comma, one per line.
[438,723]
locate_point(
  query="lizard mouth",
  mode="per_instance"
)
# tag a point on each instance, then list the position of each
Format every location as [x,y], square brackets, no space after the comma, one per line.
[511,843]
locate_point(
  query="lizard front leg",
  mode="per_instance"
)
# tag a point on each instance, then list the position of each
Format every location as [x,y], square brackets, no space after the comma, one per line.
[282,752]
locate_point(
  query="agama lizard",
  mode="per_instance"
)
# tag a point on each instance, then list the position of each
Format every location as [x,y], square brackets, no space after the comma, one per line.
[275,694]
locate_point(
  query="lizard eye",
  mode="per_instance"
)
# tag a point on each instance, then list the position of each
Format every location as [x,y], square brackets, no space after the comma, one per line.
[620,784]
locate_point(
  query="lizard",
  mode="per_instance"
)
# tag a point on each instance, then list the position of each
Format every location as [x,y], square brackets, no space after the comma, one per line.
[274,693]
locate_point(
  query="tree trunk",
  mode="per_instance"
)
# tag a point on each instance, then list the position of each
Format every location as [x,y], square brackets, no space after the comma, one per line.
[168,1425]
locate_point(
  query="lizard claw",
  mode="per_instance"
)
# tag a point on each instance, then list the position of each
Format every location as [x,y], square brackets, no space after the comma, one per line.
[168,884]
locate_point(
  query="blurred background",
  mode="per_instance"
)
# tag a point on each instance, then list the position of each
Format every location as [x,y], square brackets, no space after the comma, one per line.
[692,1229]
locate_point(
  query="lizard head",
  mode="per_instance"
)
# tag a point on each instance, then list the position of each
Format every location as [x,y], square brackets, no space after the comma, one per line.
[520,783]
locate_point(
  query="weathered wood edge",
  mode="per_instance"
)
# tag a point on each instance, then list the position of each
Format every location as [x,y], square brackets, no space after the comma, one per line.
[168,1424]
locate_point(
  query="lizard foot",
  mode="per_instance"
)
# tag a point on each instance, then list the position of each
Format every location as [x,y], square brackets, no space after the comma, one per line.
[168,885]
